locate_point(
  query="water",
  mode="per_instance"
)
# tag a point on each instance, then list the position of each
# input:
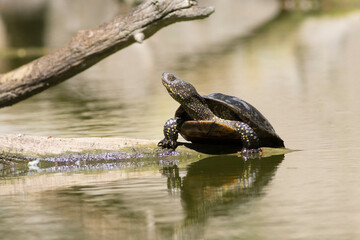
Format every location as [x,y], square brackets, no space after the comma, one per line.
[300,71]
[161,204]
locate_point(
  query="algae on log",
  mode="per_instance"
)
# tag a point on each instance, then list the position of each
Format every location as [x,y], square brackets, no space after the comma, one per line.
[25,148]
[90,46]
[33,146]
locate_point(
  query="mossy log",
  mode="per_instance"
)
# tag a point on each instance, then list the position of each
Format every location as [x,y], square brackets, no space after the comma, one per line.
[27,147]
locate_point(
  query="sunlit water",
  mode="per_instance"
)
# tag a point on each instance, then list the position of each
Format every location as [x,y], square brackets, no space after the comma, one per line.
[301,72]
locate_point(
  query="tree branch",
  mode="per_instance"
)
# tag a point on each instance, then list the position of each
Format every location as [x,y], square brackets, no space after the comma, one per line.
[90,46]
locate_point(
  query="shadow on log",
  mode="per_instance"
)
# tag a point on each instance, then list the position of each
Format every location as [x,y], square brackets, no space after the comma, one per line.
[90,46]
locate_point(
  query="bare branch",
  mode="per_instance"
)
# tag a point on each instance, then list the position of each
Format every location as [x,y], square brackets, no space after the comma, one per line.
[90,46]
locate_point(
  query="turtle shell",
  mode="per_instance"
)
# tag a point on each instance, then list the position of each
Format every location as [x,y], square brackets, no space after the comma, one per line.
[229,108]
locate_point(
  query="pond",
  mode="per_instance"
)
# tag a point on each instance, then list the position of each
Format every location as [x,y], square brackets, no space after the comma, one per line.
[300,70]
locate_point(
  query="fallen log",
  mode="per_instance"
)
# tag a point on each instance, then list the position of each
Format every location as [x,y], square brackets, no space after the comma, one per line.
[90,46]
[29,147]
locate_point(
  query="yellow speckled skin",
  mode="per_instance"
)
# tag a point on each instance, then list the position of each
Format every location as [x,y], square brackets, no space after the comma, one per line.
[203,123]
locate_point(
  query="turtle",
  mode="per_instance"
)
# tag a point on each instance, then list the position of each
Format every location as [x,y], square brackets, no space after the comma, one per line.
[215,118]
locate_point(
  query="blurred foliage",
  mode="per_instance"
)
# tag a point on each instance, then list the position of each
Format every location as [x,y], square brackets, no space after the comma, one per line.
[130,2]
[313,5]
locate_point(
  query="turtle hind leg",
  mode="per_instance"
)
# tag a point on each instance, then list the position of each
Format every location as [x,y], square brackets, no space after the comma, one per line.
[250,140]
[171,132]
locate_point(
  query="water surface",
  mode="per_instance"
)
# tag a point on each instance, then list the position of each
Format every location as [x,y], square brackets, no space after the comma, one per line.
[301,72]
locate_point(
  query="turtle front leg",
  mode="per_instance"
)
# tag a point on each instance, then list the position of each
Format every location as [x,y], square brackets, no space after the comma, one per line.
[251,143]
[171,132]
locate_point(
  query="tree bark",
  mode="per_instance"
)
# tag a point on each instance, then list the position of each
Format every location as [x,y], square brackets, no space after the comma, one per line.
[90,46]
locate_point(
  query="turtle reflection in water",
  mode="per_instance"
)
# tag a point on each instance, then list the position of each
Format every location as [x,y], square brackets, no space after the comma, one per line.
[219,184]
[216,118]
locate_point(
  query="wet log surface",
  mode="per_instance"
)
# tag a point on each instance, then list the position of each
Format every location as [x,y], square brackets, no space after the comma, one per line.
[27,145]
[24,148]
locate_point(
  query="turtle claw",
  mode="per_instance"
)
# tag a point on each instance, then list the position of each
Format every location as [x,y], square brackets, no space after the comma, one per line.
[251,153]
[167,143]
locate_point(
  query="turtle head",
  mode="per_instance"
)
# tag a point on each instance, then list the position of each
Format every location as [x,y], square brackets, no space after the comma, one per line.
[179,89]
[185,93]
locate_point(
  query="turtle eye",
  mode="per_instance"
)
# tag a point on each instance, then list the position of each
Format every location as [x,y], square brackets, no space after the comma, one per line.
[171,78]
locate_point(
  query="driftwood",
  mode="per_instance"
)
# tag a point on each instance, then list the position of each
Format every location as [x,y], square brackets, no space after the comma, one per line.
[27,145]
[90,46]
[24,147]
